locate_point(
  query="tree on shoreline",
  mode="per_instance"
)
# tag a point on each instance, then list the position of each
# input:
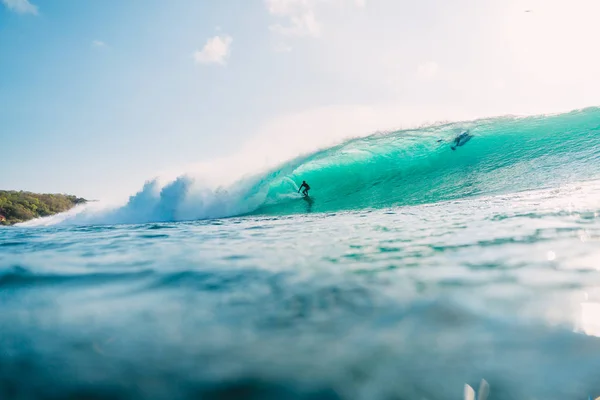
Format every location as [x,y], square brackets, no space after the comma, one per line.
[19,206]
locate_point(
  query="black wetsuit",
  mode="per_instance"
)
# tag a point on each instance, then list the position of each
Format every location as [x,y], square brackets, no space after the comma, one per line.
[461,140]
[306,188]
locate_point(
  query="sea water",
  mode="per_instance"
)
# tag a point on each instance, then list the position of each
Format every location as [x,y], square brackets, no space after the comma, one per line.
[412,271]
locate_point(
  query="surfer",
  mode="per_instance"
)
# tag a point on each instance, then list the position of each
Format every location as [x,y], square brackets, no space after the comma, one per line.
[306,188]
[461,140]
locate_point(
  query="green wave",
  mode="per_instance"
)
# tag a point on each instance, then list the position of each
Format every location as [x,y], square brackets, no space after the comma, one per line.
[409,167]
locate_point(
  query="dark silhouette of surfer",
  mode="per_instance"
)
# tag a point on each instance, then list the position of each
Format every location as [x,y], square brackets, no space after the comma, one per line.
[461,139]
[306,188]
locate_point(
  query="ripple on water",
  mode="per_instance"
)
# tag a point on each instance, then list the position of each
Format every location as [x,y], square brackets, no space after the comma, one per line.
[409,303]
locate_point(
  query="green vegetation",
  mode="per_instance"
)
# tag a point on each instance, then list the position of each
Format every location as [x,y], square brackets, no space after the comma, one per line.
[22,206]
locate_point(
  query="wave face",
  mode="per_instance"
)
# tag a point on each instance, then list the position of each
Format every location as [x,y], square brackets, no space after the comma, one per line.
[411,167]
[405,167]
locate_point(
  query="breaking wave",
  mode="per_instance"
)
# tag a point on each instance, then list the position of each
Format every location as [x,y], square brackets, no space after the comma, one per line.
[404,167]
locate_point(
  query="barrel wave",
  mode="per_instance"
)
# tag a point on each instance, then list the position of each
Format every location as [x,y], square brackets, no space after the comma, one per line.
[418,166]
[398,168]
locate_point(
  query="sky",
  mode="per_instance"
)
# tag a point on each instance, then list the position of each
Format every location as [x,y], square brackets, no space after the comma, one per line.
[98,96]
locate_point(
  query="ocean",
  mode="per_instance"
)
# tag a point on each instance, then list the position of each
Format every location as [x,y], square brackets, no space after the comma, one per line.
[412,271]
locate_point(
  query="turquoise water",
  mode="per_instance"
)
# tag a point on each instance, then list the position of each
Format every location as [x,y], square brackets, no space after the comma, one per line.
[415,270]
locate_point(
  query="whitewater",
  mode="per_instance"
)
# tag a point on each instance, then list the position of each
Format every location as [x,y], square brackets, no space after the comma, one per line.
[412,271]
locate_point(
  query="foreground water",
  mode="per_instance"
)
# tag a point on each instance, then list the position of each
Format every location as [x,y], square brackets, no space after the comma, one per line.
[407,302]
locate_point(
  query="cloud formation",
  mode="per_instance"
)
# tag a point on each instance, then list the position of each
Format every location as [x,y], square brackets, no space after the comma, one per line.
[21,6]
[216,51]
[300,16]
[99,43]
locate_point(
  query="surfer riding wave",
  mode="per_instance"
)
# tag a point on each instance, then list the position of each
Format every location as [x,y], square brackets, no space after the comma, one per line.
[461,139]
[306,188]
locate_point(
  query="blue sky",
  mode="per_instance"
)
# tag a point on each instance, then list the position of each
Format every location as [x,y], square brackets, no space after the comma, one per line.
[98,96]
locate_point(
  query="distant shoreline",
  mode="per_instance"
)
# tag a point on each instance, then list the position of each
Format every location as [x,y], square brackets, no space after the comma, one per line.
[22,206]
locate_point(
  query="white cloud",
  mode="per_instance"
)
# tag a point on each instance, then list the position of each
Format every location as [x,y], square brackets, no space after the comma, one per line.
[215,51]
[21,6]
[428,70]
[301,25]
[300,15]
[99,43]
